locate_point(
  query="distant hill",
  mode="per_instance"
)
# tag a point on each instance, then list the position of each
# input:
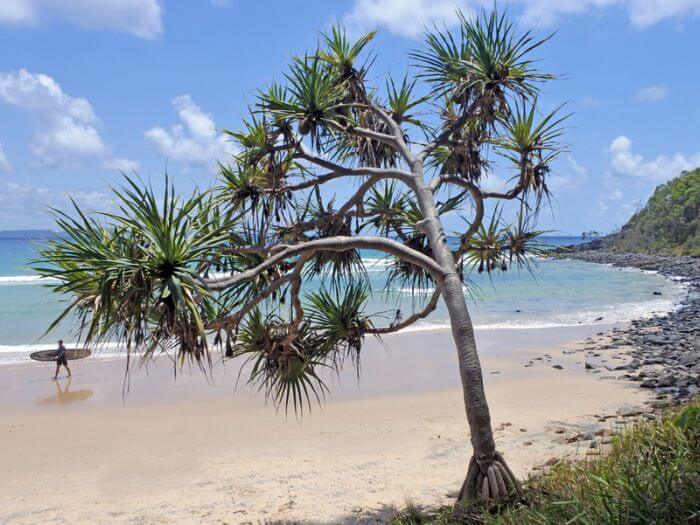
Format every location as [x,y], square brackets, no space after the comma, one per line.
[27,234]
[669,224]
[670,221]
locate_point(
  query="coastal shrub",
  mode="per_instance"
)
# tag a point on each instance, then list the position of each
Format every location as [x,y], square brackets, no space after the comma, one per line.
[650,475]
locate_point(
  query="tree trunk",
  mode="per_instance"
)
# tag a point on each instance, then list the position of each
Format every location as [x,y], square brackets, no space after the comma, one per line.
[488,476]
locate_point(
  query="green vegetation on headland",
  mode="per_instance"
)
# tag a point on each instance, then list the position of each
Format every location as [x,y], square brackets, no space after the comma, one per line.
[669,223]
[650,475]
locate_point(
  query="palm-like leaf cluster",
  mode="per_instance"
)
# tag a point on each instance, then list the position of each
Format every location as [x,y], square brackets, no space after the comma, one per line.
[489,84]
[485,61]
[283,362]
[313,99]
[286,359]
[137,279]
[532,143]
[497,245]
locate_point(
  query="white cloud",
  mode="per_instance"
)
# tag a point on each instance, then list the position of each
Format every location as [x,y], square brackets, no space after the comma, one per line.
[16,12]
[142,18]
[195,140]
[548,12]
[612,193]
[640,13]
[590,102]
[120,164]
[26,205]
[5,166]
[633,172]
[403,17]
[408,17]
[494,182]
[64,125]
[567,181]
[660,169]
[652,93]
[645,13]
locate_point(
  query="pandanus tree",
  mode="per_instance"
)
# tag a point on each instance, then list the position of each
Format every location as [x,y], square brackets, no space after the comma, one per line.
[228,269]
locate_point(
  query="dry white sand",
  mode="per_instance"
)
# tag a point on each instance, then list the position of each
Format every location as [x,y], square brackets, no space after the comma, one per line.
[185,452]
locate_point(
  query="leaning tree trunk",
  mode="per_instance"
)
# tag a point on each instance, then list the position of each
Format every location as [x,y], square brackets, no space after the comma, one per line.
[488,476]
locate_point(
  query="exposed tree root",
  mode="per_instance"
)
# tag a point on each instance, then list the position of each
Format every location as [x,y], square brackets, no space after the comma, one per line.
[489,480]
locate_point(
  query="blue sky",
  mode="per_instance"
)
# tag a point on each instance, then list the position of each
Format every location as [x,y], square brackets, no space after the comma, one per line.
[89,87]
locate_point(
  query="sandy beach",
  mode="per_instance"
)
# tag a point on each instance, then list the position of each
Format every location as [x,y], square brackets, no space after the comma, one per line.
[185,451]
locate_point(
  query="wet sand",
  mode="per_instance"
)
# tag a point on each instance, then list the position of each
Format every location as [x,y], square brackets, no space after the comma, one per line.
[188,451]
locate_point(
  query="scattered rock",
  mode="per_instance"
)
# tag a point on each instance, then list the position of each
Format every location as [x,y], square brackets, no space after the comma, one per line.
[632,365]
[655,339]
[690,359]
[667,380]
[628,411]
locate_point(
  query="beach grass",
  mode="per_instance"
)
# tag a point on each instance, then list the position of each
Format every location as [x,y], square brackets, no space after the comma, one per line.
[651,474]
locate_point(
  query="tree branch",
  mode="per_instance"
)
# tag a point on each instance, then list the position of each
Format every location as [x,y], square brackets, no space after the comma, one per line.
[444,136]
[248,307]
[395,327]
[338,243]
[389,140]
[477,196]
[396,131]
[295,293]
[355,201]
[515,190]
[342,171]
[509,195]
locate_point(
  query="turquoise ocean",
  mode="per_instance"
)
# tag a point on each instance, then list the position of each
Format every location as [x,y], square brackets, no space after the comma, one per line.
[556,293]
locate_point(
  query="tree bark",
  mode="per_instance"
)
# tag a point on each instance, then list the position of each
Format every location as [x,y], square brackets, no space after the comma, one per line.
[488,476]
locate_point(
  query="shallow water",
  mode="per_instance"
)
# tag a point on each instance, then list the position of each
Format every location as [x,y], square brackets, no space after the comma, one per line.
[555,293]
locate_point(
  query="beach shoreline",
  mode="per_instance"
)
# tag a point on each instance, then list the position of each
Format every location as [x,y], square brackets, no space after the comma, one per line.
[186,451]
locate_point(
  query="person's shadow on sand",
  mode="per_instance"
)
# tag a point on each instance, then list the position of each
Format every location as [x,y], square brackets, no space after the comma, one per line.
[64,396]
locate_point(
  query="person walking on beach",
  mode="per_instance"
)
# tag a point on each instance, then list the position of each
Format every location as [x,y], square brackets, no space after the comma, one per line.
[61,360]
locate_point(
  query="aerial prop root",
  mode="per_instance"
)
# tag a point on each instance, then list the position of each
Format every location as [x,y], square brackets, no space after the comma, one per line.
[489,480]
